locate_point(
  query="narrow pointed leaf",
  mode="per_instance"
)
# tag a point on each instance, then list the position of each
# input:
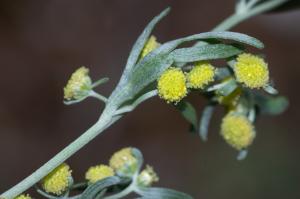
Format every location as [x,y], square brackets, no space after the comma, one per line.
[206,52]
[162,193]
[93,190]
[189,113]
[139,156]
[141,41]
[150,68]
[205,121]
[272,105]
[242,154]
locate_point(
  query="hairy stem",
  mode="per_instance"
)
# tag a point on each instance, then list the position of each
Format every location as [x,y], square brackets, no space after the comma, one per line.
[239,17]
[104,122]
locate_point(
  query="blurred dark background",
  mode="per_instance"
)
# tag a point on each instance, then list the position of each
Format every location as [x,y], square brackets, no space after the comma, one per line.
[43,42]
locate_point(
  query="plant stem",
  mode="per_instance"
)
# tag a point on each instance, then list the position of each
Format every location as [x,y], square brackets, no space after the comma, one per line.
[98,96]
[104,122]
[237,18]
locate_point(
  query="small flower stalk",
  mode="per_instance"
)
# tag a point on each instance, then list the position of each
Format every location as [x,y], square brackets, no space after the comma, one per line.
[80,86]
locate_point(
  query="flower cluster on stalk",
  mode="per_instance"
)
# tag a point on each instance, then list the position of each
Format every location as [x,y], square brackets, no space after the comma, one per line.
[124,165]
[245,73]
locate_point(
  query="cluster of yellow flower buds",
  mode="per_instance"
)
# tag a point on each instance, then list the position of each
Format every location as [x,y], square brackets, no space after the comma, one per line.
[122,163]
[247,71]
[173,84]
[252,72]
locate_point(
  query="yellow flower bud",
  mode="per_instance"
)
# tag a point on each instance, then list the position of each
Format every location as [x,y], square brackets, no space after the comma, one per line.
[147,177]
[251,70]
[201,75]
[149,46]
[172,85]
[78,85]
[58,180]
[237,131]
[98,172]
[123,162]
[23,196]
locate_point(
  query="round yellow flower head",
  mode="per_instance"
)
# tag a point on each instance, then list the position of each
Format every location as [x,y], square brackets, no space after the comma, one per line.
[251,70]
[172,85]
[98,172]
[202,74]
[237,131]
[150,45]
[78,85]
[147,177]
[23,196]
[58,180]
[123,162]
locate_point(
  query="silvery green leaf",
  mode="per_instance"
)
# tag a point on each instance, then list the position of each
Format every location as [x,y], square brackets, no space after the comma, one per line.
[139,156]
[222,73]
[242,154]
[273,105]
[140,43]
[46,195]
[206,52]
[270,89]
[227,35]
[205,120]
[189,113]
[146,72]
[94,189]
[150,68]
[228,87]
[161,193]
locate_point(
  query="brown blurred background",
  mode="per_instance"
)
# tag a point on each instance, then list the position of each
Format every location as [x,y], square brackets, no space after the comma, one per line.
[43,42]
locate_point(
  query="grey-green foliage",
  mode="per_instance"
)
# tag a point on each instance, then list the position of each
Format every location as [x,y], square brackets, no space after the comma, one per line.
[162,193]
[189,113]
[139,74]
[272,105]
[94,190]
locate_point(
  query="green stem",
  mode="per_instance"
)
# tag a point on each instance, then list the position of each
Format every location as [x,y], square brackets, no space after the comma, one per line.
[104,122]
[97,96]
[237,18]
